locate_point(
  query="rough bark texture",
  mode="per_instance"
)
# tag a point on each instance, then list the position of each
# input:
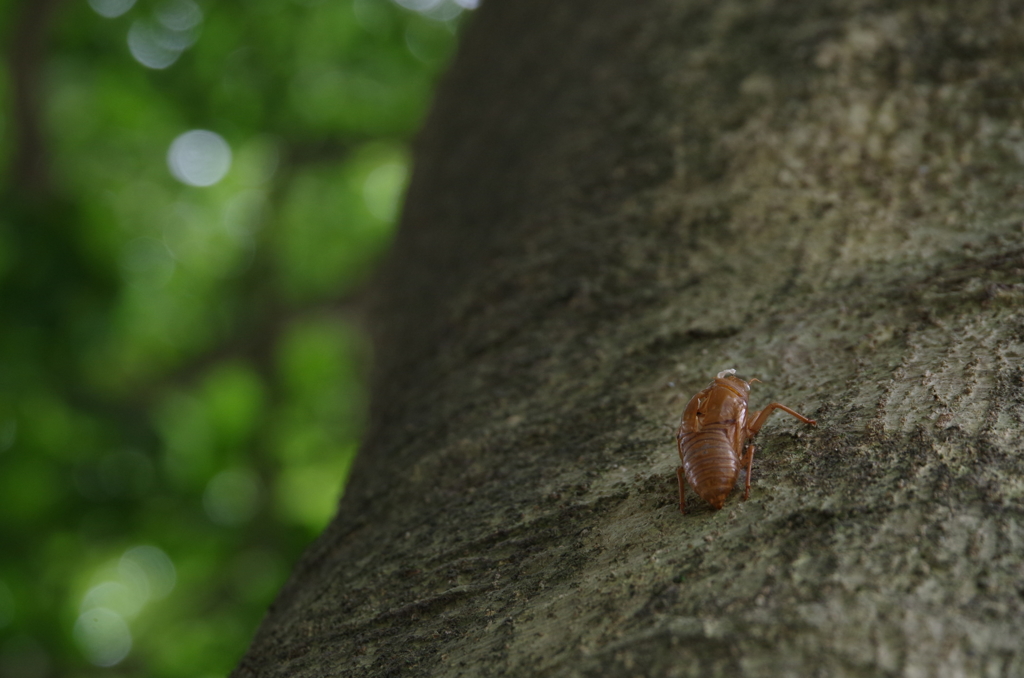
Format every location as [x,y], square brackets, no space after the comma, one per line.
[615,200]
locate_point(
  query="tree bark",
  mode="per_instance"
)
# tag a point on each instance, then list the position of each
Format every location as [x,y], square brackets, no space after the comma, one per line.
[612,202]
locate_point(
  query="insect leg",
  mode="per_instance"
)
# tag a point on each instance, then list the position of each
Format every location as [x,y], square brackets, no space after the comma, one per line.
[748,459]
[760,417]
[682,487]
[679,471]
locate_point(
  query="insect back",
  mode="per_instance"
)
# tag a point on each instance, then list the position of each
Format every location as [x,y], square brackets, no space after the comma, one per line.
[713,431]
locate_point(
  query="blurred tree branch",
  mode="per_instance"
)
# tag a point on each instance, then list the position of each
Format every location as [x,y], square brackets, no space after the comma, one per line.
[26,58]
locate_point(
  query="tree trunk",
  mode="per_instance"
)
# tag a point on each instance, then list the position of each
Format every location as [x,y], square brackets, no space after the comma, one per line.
[613,201]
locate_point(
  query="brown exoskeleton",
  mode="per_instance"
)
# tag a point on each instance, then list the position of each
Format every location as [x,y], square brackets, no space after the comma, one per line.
[711,436]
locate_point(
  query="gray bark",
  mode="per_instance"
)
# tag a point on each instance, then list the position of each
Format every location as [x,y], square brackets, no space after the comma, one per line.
[612,202]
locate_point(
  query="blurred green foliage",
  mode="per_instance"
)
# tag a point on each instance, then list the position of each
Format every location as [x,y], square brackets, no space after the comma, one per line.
[181,365]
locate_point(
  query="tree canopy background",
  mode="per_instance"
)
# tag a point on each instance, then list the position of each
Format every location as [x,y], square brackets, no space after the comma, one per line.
[193,193]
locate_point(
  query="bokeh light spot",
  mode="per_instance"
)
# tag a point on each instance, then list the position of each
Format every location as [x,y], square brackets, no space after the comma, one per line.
[103,636]
[115,596]
[179,15]
[150,567]
[133,577]
[439,10]
[111,8]
[157,42]
[383,188]
[199,158]
[419,5]
[232,497]
[151,45]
